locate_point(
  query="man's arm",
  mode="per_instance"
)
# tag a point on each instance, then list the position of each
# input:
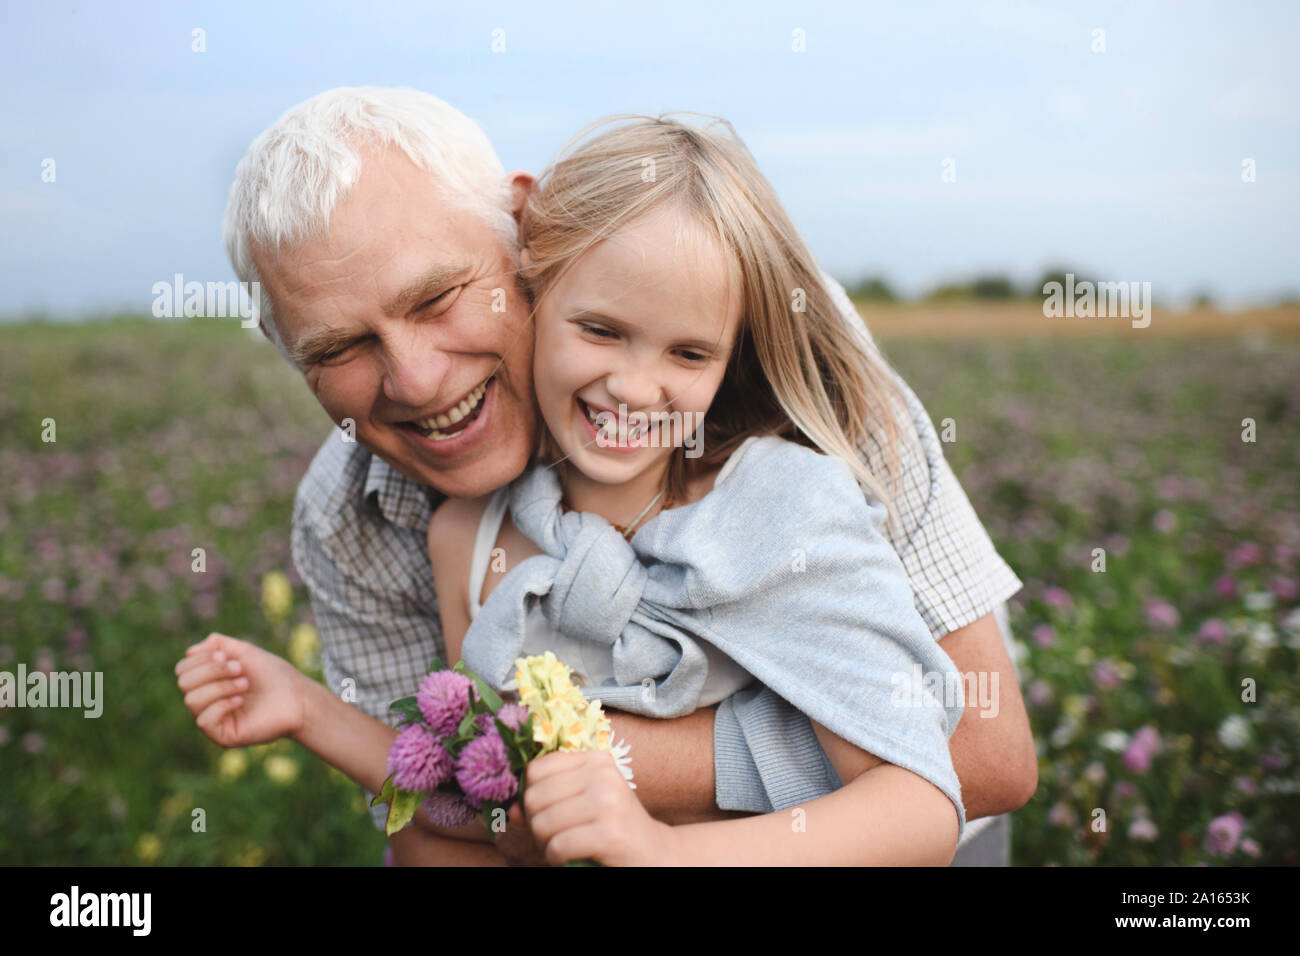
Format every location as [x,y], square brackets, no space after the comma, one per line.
[415,846]
[673,763]
[992,748]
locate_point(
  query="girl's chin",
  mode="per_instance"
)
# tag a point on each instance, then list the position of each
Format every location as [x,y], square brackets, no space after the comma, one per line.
[607,466]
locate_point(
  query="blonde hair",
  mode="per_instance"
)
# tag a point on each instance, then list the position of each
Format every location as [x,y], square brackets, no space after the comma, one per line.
[797,368]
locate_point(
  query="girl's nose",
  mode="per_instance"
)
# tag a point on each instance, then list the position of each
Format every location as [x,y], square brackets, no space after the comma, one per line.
[635,388]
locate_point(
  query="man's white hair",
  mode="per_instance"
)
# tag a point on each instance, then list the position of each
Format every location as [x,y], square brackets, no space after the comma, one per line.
[299,170]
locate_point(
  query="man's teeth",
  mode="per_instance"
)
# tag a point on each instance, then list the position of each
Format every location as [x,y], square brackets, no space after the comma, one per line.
[454,415]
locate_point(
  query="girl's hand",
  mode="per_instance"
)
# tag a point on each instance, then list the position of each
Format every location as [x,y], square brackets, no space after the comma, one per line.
[240,694]
[579,807]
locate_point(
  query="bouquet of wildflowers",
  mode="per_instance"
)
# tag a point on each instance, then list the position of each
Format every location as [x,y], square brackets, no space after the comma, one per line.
[461,750]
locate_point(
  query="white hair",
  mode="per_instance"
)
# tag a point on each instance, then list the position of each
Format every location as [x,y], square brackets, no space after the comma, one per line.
[297,172]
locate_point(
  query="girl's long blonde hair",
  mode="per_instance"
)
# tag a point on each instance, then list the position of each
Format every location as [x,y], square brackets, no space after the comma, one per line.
[797,369]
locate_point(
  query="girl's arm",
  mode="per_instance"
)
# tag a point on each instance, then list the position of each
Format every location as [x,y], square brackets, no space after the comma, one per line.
[579,807]
[883,816]
[241,695]
[452,531]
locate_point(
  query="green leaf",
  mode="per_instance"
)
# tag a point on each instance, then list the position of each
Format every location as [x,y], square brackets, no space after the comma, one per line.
[385,793]
[437,665]
[488,694]
[466,724]
[486,814]
[403,807]
[485,692]
[407,706]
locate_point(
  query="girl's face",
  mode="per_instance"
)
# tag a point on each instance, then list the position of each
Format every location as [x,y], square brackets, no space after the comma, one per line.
[642,324]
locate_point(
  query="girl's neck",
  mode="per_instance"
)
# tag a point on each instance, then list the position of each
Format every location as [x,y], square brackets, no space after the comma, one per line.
[617,504]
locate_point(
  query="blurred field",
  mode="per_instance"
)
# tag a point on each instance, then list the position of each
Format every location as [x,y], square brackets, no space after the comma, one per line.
[183,435]
[1017,319]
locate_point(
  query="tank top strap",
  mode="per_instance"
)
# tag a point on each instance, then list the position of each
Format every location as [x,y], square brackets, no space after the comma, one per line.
[489,526]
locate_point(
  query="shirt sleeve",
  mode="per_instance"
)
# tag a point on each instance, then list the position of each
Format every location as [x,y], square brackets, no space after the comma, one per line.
[379,631]
[956,574]
[765,750]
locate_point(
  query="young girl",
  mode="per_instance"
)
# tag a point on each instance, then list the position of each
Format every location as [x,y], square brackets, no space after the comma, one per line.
[696,517]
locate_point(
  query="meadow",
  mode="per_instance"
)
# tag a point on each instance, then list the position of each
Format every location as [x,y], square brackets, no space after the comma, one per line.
[1157,535]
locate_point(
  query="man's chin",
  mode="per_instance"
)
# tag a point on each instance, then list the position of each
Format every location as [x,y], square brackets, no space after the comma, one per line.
[467,476]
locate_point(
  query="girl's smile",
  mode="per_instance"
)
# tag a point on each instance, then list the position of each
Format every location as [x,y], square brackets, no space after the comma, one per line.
[619,431]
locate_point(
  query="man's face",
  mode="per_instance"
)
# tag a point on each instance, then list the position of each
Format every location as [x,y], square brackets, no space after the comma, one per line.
[391,320]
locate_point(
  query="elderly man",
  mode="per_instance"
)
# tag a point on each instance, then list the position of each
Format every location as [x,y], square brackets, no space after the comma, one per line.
[381,228]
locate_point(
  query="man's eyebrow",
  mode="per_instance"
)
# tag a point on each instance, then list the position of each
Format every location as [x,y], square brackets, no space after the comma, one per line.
[318,343]
[433,282]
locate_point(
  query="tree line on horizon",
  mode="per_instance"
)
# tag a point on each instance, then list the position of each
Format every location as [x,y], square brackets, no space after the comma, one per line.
[991,287]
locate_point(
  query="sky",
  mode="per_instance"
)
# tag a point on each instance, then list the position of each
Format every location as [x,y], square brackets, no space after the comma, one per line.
[1125,164]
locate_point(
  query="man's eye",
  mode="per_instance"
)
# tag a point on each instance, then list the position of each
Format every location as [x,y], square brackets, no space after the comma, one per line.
[339,355]
[442,298]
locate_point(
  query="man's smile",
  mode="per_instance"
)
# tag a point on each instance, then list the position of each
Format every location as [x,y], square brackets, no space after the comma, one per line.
[455,418]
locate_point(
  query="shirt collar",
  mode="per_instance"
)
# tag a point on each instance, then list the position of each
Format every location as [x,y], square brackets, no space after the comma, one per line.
[404,502]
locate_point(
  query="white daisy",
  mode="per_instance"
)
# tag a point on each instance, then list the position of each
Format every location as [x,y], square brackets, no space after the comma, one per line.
[622,758]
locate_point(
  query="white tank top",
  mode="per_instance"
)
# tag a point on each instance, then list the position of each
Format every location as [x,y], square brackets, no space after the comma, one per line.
[592,665]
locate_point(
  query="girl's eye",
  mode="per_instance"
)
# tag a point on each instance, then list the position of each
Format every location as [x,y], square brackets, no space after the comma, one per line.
[692,356]
[597,331]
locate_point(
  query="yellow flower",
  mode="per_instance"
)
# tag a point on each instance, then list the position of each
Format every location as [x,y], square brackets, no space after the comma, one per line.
[304,645]
[232,765]
[277,597]
[1075,706]
[283,770]
[148,848]
[562,718]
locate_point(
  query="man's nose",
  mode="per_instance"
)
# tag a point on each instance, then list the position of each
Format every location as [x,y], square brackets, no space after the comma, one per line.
[414,369]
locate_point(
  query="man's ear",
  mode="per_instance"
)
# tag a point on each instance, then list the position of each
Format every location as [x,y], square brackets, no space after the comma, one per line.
[521,184]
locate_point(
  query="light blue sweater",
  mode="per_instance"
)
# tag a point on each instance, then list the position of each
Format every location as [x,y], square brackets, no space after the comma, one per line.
[784,568]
